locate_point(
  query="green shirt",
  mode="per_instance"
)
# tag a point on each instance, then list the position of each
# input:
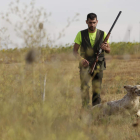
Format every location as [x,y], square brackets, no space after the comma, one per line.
[92,37]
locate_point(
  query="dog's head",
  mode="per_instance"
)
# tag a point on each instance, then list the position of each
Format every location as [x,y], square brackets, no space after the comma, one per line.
[133,89]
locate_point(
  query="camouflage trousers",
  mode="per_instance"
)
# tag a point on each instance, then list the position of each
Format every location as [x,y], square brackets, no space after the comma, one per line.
[96,86]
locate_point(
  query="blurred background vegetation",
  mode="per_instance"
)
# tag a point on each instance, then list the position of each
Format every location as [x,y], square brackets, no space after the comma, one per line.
[120,49]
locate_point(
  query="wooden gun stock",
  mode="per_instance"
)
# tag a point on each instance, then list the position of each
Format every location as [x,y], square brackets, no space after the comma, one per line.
[106,38]
[100,50]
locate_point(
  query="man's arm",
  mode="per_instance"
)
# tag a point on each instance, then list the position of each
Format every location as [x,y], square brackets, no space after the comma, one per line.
[83,61]
[75,51]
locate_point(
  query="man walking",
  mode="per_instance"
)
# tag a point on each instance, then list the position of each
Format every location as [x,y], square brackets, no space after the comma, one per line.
[89,41]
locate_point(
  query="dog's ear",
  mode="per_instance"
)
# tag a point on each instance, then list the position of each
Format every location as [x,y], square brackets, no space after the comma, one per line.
[128,87]
[124,86]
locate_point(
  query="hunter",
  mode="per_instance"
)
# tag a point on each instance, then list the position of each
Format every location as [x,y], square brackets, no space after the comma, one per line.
[89,41]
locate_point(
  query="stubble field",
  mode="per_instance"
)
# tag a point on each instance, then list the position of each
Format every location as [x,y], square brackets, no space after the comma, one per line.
[24,115]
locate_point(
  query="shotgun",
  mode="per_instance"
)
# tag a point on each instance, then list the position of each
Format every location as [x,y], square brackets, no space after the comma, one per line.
[105,40]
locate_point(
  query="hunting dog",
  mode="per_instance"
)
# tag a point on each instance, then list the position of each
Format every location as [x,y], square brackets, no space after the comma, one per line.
[129,103]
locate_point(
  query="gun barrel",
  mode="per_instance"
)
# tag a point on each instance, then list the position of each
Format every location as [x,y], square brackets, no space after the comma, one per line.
[115,21]
[105,40]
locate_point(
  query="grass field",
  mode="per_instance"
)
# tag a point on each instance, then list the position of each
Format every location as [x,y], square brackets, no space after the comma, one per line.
[26,114]
[23,114]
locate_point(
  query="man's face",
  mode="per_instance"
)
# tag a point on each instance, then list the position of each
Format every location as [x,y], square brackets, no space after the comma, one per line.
[92,24]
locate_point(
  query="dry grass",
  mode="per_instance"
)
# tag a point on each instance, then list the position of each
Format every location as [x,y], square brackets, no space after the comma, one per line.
[25,116]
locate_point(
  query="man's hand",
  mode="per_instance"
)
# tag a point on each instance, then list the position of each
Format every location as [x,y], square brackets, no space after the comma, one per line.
[84,63]
[105,46]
